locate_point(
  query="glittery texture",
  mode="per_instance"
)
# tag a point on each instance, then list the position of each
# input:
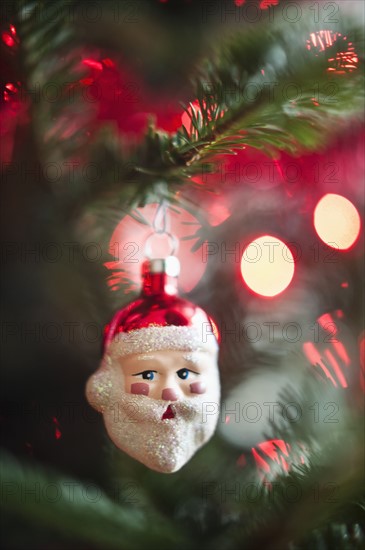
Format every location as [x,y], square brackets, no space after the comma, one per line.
[134,422]
[135,425]
[192,357]
[162,329]
[99,389]
[156,338]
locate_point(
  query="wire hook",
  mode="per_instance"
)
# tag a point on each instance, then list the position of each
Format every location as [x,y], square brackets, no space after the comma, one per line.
[160,220]
[161,226]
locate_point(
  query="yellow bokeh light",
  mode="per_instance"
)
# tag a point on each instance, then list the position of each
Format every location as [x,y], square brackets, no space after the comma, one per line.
[267,266]
[336,221]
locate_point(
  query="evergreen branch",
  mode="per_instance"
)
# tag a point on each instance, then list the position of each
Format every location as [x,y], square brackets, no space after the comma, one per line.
[50,62]
[227,120]
[271,121]
[68,511]
[243,94]
[326,492]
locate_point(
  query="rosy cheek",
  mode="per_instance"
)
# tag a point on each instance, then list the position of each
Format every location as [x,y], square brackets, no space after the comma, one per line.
[198,387]
[139,388]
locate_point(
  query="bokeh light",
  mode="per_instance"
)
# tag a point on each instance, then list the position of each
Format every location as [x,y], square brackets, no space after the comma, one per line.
[344,61]
[362,360]
[193,108]
[267,266]
[127,247]
[331,352]
[215,330]
[275,457]
[336,221]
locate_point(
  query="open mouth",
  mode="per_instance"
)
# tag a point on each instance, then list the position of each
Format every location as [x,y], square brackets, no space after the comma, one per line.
[169,413]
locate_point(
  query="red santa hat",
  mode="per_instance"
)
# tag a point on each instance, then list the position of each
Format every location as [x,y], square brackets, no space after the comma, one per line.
[159,319]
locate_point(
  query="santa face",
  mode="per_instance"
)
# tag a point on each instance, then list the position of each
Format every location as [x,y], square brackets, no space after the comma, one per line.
[167,375]
[161,406]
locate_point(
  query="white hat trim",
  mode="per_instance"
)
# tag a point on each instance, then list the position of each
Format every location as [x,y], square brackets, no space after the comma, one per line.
[159,338]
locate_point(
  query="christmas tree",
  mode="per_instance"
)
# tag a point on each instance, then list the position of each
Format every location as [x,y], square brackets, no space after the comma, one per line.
[227,133]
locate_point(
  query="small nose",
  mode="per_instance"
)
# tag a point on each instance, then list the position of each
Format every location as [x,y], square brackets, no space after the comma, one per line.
[168,394]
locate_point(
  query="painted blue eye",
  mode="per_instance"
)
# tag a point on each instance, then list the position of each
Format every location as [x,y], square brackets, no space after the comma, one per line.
[148,375]
[183,373]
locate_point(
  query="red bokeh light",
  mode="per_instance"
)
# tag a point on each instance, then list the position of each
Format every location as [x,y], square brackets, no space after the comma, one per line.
[127,245]
[362,361]
[10,37]
[58,433]
[321,40]
[314,357]
[336,221]
[336,368]
[93,64]
[121,95]
[267,266]
[194,108]
[8,40]
[241,461]
[329,354]
[275,456]
[214,208]
[14,113]
[265,4]
[345,61]
[215,330]
[218,213]
[10,90]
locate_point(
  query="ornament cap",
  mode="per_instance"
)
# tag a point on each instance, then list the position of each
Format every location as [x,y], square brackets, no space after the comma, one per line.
[170,266]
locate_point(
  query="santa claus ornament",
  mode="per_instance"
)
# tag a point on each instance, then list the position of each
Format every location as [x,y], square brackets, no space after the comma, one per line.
[158,383]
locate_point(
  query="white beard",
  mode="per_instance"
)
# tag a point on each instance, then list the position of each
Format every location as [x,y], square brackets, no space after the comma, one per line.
[135,425]
[134,422]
